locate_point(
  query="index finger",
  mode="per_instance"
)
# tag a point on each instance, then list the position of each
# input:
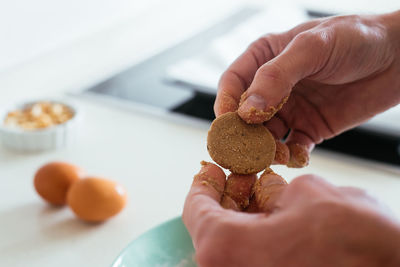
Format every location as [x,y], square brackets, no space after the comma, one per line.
[204,195]
[238,77]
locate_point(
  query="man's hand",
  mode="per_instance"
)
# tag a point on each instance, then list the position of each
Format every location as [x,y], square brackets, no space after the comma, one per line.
[334,73]
[313,223]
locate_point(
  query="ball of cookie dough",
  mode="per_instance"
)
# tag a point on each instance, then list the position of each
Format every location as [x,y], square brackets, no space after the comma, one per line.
[240,147]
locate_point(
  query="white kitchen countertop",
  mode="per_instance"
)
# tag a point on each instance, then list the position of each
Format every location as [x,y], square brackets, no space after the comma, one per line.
[153,157]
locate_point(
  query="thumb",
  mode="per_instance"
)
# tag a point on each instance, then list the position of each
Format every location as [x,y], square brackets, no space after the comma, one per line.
[304,56]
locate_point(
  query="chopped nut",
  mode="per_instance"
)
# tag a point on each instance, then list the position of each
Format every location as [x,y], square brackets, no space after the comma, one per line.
[38,116]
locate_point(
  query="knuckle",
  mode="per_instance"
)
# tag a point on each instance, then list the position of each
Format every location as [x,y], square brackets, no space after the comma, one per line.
[273,72]
[331,21]
[342,24]
[269,44]
[275,41]
[313,39]
[345,19]
[275,75]
[225,75]
[261,43]
[303,37]
[259,51]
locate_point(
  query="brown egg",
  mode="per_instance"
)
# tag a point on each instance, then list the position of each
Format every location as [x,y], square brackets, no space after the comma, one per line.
[53,180]
[95,199]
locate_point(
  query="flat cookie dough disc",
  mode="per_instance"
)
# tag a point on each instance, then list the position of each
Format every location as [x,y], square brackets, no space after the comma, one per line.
[240,147]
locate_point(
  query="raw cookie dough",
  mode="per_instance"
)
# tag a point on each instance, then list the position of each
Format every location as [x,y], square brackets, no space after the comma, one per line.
[240,147]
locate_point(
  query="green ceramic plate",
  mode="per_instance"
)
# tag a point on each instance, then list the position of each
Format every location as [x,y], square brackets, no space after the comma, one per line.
[168,245]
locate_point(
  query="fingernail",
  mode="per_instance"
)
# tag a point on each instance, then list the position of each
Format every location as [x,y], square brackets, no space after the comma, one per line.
[252,109]
[299,156]
[253,101]
[228,203]
[282,153]
[204,167]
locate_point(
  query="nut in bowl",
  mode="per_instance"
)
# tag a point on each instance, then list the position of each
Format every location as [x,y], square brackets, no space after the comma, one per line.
[39,125]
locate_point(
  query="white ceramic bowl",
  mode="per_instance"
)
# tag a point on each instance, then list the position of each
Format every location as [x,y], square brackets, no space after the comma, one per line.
[49,138]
